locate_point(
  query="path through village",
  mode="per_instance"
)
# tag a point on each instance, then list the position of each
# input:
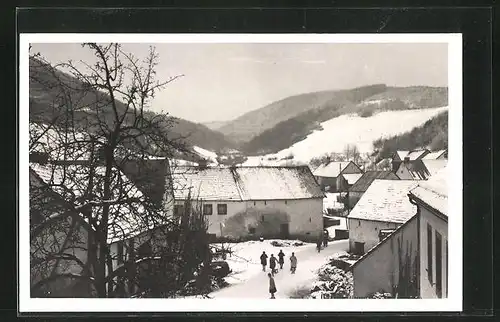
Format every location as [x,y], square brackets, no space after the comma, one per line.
[309,261]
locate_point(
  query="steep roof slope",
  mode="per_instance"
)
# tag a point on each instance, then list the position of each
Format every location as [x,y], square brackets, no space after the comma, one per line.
[387,201]
[434,192]
[435,155]
[369,176]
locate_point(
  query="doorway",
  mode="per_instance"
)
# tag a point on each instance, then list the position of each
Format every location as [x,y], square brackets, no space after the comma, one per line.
[284,231]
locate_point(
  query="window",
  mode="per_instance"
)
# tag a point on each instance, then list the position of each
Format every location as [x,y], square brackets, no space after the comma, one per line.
[265,202]
[120,252]
[178,210]
[446,275]
[222,209]
[429,253]
[286,202]
[251,230]
[262,218]
[439,262]
[207,210]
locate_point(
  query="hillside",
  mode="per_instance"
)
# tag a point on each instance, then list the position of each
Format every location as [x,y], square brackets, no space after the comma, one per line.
[338,132]
[47,95]
[253,123]
[215,125]
[433,135]
[286,133]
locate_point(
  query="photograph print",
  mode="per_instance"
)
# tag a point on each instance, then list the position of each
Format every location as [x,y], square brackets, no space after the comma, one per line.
[199,168]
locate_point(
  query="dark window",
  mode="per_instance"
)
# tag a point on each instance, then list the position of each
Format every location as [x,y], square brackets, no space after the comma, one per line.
[265,203]
[286,202]
[359,248]
[251,230]
[222,209]
[262,218]
[439,262]
[429,253]
[120,252]
[207,210]
[178,210]
[446,275]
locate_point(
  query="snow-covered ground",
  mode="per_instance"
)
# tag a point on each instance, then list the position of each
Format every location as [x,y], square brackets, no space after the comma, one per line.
[252,282]
[362,131]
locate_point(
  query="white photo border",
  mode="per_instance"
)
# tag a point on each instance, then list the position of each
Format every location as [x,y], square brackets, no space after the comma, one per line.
[451,304]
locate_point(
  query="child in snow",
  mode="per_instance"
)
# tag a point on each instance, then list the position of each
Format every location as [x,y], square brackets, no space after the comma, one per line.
[272,264]
[263,261]
[281,258]
[272,285]
[293,263]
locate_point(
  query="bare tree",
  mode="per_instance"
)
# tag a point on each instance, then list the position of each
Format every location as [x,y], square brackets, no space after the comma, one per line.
[105,151]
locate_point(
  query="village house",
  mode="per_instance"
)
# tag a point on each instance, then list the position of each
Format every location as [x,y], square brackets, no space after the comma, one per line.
[58,185]
[251,202]
[346,180]
[359,188]
[328,175]
[412,261]
[420,169]
[382,208]
[409,156]
[431,198]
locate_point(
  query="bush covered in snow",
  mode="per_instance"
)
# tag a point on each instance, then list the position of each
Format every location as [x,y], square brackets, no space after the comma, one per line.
[379,295]
[286,243]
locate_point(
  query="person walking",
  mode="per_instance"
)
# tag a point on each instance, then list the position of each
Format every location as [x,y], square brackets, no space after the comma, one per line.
[293,263]
[272,285]
[318,245]
[263,261]
[281,258]
[272,264]
[325,238]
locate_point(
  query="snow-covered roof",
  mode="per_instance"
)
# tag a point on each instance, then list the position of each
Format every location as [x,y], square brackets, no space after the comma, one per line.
[434,191]
[127,219]
[434,155]
[387,201]
[402,154]
[433,166]
[351,178]
[246,183]
[368,177]
[331,170]
[205,183]
[416,154]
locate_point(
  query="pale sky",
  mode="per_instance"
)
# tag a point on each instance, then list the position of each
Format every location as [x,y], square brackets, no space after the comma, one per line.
[224,81]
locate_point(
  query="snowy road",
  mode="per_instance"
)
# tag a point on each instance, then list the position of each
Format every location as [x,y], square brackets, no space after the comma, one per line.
[309,260]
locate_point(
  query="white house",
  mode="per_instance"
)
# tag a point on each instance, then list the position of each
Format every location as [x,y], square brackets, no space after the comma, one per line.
[244,202]
[412,261]
[382,208]
[431,198]
[328,175]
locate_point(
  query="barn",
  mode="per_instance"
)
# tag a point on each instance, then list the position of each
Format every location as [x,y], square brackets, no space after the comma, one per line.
[328,175]
[252,202]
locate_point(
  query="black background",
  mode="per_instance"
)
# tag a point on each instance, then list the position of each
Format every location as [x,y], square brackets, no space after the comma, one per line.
[475,24]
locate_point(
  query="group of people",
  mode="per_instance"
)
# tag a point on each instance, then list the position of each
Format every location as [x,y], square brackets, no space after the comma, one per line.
[323,240]
[273,266]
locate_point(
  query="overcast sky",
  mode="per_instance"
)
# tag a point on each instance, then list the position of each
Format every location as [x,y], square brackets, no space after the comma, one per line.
[224,81]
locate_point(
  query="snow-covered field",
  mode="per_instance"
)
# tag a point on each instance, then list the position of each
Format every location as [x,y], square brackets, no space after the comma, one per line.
[362,131]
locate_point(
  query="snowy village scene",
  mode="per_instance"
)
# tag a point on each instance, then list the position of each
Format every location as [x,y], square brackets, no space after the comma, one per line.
[238,170]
